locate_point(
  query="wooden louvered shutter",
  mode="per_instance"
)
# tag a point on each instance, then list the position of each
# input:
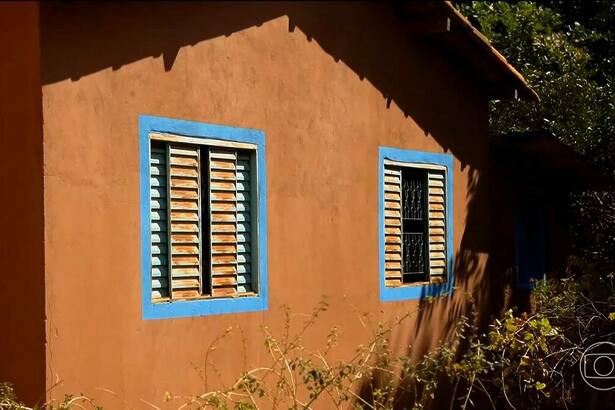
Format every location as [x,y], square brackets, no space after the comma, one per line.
[437,225]
[158,207]
[231,238]
[392,226]
[185,217]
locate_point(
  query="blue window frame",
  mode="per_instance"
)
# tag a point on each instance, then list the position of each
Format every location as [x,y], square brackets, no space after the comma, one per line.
[195,131]
[393,163]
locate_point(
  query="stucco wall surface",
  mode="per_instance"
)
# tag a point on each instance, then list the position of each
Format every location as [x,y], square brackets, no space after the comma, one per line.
[328,85]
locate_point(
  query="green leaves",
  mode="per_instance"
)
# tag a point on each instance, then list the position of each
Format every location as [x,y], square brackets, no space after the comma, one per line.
[565,51]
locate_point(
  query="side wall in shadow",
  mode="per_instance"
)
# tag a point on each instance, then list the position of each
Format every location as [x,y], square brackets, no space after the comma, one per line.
[22,291]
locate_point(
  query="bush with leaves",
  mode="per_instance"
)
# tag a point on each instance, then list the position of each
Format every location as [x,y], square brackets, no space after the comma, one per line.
[522,361]
[9,401]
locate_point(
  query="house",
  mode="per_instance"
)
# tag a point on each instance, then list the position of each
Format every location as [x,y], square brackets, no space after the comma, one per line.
[170,170]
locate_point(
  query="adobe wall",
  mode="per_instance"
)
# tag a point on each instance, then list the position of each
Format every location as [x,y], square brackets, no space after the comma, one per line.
[22,292]
[328,86]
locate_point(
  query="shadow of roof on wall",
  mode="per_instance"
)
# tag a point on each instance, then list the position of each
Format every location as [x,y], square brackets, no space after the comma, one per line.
[175,25]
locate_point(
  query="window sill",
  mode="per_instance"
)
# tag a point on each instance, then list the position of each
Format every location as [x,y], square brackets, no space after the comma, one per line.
[415,291]
[203,306]
[417,284]
[204,297]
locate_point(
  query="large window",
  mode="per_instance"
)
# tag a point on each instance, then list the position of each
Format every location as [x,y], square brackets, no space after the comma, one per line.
[415,228]
[204,207]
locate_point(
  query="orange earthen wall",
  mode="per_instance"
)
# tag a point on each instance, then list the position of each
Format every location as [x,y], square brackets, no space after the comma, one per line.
[328,85]
[22,292]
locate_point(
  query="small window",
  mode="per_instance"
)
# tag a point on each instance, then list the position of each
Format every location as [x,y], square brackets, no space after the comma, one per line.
[415,241]
[203,209]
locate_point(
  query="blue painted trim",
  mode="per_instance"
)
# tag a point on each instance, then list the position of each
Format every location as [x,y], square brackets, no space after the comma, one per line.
[415,157]
[175,309]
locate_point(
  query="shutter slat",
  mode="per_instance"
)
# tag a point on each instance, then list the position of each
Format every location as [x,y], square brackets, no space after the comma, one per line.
[244,280]
[184,250]
[222,164]
[184,172]
[185,209]
[228,280]
[185,227]
[436,199]
[184,161]
[157,181]
[222,186]
[391,188]
[223,238]
[224,291]
[186,294]
[223,227]
[159,260]
[181,151]
[183,238]
[159,192]
[180,216]
[244,288]
[184,194]
[178,182]
[224,249]
[223,206]
[186,261]
[222,175]
[222,154]
[180,272]
[224,269]
[158,224]
[244,227]
[157,170]
[158,203]
[160,283]
[223,196]
[159,249]
[437,226]
[160,272]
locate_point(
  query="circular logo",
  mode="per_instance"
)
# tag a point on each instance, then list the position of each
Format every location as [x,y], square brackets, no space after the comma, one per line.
[597,366]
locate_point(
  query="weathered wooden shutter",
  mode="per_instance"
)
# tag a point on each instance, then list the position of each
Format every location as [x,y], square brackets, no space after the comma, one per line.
[437,225]
[230,222]
[392,226]
[158,207]
[185,217]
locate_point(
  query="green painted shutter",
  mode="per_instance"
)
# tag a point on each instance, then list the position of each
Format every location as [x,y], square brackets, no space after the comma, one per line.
[185,216]
[392,226]
[158,207]
[437,225]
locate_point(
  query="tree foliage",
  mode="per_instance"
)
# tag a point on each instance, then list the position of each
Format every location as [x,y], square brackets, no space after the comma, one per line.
[565,49]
